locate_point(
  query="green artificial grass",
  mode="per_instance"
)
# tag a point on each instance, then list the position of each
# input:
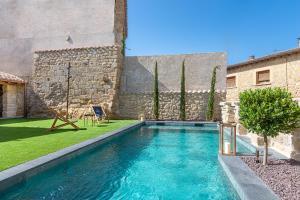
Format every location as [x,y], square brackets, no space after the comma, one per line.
[22,140]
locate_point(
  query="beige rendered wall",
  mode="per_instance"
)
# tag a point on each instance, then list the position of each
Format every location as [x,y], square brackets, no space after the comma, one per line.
[27,26]
[285,73]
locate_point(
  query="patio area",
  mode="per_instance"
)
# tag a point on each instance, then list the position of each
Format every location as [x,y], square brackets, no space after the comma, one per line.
[22,140]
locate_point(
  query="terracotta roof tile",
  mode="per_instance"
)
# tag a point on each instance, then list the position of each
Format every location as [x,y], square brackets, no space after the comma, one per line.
[5,77]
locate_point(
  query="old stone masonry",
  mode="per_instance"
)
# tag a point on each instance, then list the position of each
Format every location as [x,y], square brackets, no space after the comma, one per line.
[95,79]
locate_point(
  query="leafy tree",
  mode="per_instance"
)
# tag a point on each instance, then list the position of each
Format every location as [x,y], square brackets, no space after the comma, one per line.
[182,93]
[211,99]
[156,93]
[268,112]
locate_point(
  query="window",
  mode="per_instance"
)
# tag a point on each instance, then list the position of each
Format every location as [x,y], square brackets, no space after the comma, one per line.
[230,82]
[263,77]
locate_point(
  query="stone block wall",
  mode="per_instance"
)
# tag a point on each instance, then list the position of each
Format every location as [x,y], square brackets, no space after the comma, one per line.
[288,145]
[94,79]
[13,100]
[284,73]
[136,105]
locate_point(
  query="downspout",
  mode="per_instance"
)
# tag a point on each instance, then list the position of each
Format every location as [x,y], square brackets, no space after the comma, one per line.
[286,73]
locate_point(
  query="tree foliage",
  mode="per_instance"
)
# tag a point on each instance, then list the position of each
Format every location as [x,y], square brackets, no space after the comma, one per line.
[211,99]
[156,94]
[268,112]
[182,93]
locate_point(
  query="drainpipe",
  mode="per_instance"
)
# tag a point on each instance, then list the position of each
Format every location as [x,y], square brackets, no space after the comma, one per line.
[286,73]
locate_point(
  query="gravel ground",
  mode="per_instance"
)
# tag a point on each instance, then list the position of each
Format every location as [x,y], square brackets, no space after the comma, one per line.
[282,176]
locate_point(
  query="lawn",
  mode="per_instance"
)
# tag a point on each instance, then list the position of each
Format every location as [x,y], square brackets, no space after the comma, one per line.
[22,140]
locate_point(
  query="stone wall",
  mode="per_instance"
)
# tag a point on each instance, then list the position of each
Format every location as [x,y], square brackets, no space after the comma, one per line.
[288,145]
[138,73]
[284,73]
[13,100]
[94,79]
[120,28]
[35,25]
[136,105]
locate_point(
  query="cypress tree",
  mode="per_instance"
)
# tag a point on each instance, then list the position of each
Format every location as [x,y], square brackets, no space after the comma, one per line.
[182,93]
[123,46]
[211,99]
[156,94]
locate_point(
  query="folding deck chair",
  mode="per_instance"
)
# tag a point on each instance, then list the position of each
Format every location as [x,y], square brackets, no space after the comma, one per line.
[62,117]
[99,113]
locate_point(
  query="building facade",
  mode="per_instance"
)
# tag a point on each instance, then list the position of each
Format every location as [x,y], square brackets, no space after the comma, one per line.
[77,48]
[12,96]
[39,39]
[280,69]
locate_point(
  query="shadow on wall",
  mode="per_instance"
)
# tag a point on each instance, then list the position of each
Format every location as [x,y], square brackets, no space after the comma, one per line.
[136,78]
[138,72]
[36,106]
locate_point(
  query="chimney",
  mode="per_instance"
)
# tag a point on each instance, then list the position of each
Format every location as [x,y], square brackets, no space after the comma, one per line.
[252,57]
[298,42]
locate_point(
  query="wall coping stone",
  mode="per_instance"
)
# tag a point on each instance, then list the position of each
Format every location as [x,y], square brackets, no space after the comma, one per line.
[79,48]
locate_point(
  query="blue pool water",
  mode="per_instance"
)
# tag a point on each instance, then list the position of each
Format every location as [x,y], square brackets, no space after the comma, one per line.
[151,162]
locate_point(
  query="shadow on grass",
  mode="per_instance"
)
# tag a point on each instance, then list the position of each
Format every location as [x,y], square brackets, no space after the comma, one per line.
[18,133]
[21,120]
[103,124]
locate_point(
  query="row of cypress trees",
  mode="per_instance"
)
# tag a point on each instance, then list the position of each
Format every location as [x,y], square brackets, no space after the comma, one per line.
[182,115]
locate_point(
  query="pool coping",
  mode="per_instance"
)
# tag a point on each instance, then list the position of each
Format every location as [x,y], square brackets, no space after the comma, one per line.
[179,122]
[19,173]
[244,180]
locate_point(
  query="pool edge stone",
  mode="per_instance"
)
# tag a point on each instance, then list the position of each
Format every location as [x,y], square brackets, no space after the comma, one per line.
[19,173]
[244,180]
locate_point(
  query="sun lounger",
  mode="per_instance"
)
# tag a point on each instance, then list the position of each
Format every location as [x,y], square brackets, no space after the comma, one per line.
[61,116]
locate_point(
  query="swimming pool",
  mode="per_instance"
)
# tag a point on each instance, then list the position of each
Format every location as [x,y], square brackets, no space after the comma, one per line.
[150,162]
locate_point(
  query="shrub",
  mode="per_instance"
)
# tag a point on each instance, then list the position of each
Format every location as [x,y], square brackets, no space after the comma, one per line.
[211,99]
[156,94]
[268,112]
[182,93]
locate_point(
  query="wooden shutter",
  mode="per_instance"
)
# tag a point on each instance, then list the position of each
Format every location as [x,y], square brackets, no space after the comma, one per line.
[230,81]
[263,76]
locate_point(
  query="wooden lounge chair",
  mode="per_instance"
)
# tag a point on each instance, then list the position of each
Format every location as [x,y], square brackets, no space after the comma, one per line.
[62,117]
[99,113]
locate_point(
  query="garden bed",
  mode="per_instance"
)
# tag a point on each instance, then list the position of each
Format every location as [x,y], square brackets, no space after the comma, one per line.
[282,176]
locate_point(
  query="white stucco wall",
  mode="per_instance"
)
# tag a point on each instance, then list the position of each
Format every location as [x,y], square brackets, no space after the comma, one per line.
[30,25]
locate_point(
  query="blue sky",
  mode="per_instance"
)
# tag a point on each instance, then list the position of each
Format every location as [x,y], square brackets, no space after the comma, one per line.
[239,27]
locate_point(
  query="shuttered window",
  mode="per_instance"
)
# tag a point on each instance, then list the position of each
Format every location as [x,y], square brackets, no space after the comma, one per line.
[230,82]
[263,77]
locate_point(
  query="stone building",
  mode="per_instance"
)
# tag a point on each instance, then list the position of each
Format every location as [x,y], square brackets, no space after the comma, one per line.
[12,95]
[39,40]
[280,69]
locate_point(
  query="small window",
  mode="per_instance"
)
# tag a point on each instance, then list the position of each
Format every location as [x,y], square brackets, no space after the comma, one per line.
[230,82]
[263,77]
